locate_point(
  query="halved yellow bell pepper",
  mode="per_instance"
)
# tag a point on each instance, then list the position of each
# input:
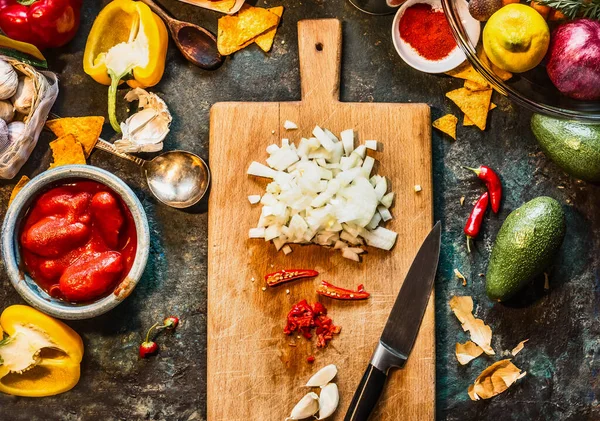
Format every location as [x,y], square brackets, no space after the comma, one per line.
[127,41]
[40,357]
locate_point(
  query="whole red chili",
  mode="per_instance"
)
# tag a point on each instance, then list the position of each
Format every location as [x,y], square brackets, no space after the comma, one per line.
[43,23]
[473,224]
[329,290]
[287,275]
[427,31]
[492,182]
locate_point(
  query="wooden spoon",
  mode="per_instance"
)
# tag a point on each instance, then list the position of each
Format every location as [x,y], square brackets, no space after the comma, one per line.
[197,45]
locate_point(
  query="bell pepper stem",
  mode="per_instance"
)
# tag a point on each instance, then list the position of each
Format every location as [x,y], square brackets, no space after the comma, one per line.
[112,101]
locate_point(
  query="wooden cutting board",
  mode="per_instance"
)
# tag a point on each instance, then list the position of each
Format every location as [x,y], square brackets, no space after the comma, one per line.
[253,372]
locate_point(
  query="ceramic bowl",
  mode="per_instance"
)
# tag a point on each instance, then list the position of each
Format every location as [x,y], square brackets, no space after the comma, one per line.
[456,57]
[26,286]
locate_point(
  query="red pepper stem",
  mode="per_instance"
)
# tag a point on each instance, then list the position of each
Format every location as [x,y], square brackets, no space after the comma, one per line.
[26,2]
[475,170]
[469,244]
[154,326]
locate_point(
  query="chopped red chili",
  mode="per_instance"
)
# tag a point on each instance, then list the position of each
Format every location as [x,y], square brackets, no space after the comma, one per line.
[329,290]
[303,317]
[287,275]
[310,359]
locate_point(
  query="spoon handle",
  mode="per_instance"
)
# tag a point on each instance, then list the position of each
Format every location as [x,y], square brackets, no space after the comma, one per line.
[110,148]
[158,10]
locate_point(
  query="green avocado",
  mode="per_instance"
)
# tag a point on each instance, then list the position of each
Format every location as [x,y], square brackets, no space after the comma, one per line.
[573,146]
[526,243]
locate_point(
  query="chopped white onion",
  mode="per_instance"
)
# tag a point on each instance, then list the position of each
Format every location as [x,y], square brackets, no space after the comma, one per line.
[289,125]
[323,193]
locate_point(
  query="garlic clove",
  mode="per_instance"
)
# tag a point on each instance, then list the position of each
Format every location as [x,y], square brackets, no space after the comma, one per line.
[23,98]
[306,407]
[9,80]
[323,376]
[328,401]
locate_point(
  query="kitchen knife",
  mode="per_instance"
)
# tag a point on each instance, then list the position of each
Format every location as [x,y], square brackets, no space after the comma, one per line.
[401,328]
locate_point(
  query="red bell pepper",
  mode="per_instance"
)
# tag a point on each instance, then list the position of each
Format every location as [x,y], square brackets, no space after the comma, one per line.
[287,275]
[43,23]
[329,290]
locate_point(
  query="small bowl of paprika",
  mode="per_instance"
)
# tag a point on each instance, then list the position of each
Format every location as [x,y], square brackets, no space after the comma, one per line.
[75,242]
[423,37]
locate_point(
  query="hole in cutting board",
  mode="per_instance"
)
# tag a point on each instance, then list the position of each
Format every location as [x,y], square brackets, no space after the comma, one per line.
[319,46]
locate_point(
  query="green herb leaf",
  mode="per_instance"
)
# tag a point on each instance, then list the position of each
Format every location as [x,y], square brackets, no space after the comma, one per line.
[575,8]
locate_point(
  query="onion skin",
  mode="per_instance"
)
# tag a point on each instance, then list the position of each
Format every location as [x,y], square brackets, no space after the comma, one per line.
[574,59]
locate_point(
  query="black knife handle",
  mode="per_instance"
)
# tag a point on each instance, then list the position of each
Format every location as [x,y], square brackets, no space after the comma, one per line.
[367,394]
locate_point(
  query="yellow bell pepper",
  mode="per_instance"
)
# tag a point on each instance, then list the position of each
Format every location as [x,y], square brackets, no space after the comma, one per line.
[40,356]
[127,41]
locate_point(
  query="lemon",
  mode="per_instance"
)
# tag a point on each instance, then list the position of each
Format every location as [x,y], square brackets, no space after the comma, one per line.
[516,38]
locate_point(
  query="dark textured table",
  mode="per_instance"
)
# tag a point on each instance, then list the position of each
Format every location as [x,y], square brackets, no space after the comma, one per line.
[562,324]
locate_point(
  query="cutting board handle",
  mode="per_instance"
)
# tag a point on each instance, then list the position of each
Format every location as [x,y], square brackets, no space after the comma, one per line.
[320,50]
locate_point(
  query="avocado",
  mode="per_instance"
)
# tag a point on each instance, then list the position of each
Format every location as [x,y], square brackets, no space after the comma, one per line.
[573,146]
[526,243]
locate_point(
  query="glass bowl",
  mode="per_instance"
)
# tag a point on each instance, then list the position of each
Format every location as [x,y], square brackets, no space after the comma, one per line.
[532,89]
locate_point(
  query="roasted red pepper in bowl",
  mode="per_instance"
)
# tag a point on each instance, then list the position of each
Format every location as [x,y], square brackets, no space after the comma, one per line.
[43,23]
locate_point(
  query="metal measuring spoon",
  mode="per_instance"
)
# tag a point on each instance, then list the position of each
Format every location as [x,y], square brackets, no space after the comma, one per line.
[177,178]
[197,45]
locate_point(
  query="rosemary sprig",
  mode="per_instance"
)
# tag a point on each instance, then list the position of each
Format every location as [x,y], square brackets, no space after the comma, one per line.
[575,8]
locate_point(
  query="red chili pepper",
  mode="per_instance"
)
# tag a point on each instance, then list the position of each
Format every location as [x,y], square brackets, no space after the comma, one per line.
[328,290]
[492,182]
[310,359]
[43,23]
[287,275]
[473,224]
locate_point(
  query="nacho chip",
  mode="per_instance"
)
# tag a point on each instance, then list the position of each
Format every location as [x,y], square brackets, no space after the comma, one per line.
[265,41]
[501,73]
[468,122]
[467,352]
[67,151]
[494,380]
[85,129]
[447,124]
[474,104]
[467,72]
[22,182]
[235,32]
[474,86]
[223,6]
[480,333]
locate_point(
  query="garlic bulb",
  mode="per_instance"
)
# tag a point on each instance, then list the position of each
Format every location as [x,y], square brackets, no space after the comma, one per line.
[23,98]
[7,111]
[9,80]
[16,129]
[145,130]
[307,407]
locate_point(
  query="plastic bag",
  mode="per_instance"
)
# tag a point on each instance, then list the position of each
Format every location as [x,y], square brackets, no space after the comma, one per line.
[14,156]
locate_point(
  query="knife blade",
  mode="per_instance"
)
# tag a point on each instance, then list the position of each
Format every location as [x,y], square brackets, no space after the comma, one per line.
[401,328]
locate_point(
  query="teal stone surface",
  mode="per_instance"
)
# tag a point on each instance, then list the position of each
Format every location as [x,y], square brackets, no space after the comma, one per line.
[562,357]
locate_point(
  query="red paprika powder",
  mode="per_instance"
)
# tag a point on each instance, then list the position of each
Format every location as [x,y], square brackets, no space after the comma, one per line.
[427,31]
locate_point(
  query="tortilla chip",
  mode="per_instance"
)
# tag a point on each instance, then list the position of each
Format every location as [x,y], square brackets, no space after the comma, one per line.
[447,124]
[480,333]
[494,380]
[22,182]
[467,352]
[235,32]
[467,72]
[67,151]
[265,41]
[474,104]
[501,73]
[474,86]
[85,129]
[518,348]
[468,122]
[223,6]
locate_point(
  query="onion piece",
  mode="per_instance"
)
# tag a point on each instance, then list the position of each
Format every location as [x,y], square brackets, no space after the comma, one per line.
[260,170]
[371,144]
[256,233]
[348,141]
[289,125]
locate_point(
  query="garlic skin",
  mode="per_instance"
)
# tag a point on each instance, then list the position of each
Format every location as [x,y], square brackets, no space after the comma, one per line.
[328,400]
[145,130]
[23,98]
[5,140]
[323,376]
[306,407]
[16,129]
[9,80]
[7,111]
